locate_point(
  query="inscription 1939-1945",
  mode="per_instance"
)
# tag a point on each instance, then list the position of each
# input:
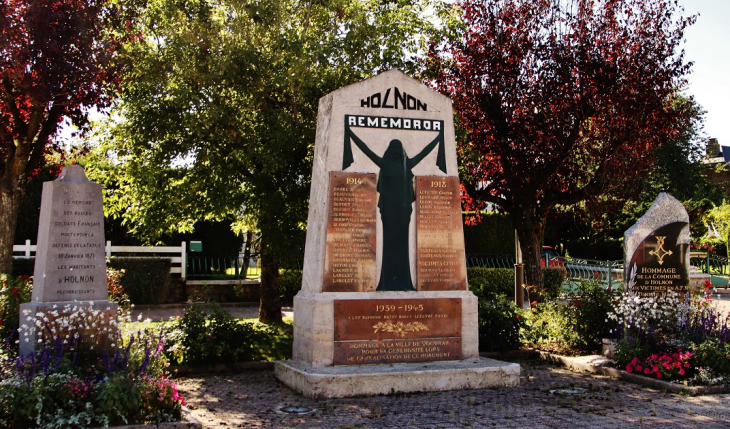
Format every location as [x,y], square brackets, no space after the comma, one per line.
[370,331]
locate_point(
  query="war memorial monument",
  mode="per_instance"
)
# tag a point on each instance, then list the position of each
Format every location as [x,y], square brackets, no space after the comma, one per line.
[384,304]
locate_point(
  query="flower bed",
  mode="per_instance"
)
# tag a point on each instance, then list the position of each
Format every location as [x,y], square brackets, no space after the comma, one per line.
[83,372]
[673,338]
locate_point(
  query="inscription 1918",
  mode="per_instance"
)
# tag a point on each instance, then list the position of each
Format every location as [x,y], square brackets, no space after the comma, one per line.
[439,237]
[350,257]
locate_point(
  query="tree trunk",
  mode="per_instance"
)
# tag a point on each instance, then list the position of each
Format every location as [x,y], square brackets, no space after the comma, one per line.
[9,204]
[530,226]
[246,254]
[270,306]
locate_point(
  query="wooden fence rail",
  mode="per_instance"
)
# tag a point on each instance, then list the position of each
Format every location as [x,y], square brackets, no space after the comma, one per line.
[178,254]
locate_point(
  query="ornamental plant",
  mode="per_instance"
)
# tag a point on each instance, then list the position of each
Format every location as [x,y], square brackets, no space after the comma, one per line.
[500,323]
[13,292]
[84,373]
[663,365]
[673,337]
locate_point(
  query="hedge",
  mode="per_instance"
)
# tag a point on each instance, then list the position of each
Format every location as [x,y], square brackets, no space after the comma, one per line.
[494,234]
[290,281]
[145,280]
[23,267]
[489,283]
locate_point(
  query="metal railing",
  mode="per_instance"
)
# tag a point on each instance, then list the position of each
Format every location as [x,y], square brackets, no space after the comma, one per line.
[488,260]
[212,266]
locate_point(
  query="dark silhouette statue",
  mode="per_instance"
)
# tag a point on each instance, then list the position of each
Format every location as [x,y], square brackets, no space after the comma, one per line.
[395,186]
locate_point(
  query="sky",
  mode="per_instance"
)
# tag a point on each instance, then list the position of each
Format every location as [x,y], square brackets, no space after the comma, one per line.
[708,46]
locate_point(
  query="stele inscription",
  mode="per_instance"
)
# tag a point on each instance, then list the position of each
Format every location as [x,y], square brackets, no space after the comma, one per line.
[70,258]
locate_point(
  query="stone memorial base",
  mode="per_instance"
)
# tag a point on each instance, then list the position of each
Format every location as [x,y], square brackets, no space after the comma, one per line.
[316,324]
[107,312]
[367,343]
[345,381]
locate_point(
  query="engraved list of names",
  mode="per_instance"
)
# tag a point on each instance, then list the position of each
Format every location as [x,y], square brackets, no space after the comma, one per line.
[350,254]
[439,235]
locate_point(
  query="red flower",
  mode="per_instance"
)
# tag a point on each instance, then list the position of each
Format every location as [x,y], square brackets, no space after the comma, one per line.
[15,293]
[533,304]
[2,322]
[708,284]
[576,303]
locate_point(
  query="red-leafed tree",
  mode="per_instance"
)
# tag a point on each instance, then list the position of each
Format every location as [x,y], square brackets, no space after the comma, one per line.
[57,58]
[563,101]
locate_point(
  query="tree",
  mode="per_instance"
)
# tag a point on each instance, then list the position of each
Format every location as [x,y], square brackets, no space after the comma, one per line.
[57,58]
[595,229]
[219,113]
[563,101]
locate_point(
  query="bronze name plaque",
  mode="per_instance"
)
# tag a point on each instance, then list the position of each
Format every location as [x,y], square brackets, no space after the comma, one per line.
[370,331]
[440,259]
[350,248]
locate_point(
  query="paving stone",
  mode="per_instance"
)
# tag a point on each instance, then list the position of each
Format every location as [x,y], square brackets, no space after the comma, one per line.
[252,399]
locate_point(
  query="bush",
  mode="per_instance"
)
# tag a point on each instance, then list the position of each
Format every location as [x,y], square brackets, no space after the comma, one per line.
[489,283]
[145,280]
[69,383]
[14,291]
[198,339]
[591,305]
[553,278]
[494,234]
[551,325]
[500,322]
[290,281]
[23,267]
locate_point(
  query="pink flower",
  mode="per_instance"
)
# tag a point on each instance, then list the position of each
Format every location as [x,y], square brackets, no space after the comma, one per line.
[686,364]
[681,372]
[629,368]
[646,371]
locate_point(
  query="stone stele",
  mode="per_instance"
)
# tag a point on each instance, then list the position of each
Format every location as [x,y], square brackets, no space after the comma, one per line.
[351,335]
[70,267]
[656,249]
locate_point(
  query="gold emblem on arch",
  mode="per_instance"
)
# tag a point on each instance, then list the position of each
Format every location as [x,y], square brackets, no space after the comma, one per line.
[660,252]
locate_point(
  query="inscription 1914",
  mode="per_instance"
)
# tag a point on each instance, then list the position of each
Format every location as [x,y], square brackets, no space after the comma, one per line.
[350,258]
[440,259]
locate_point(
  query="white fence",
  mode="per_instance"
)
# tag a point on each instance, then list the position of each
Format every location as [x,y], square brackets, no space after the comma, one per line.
[176,253]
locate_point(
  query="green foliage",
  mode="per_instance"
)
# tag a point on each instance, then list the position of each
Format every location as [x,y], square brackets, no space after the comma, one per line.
[714,354]
[14,291]
[489,283]
[200,339]
[500,323]
[290,282]
[553,278]
[120,381]
[493,234]
[591,305]
[579,324]
[145,280]
[23,267]
[551,324]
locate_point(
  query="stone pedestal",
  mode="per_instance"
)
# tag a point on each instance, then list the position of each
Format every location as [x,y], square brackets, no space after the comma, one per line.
[346,381]
[106,313]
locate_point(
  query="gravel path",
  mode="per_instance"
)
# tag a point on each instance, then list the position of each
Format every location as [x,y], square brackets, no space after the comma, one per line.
[252,399]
